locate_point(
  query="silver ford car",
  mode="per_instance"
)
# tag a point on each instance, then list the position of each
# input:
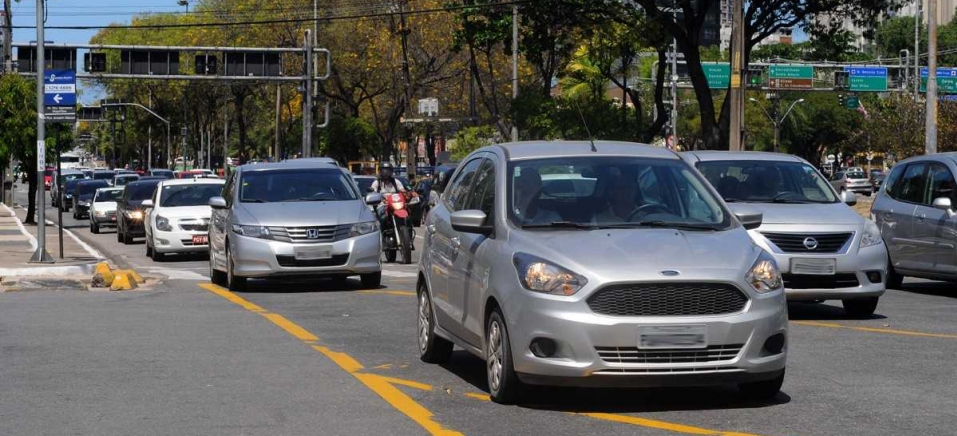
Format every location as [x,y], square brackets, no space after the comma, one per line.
[293,218]
[605,264]
[826,250]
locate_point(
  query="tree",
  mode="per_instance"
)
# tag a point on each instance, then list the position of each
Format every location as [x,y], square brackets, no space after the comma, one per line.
[470,139]
[897,34]
[18,130]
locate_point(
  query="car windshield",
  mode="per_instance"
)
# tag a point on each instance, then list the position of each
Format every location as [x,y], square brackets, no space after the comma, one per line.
[122,181]
[89,187]
[855,175]
[610,192]
[767,182]
[163,174]
[140,191]
[273,186]
[108,195]
[197,194]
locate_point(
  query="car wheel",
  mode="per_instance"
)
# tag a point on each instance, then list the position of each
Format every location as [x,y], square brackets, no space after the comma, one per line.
[127,239]
[155,255]
[94,229]
[119,233]
[762,390]
[233,282]
[894,280]
[503,384]
[149,249]
[216,276]
[432,349]
[371,280]
[861,307]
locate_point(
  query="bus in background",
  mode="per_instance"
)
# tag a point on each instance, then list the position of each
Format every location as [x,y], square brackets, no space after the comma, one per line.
[69,161]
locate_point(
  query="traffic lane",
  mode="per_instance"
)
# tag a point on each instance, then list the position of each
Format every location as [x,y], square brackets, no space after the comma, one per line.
[175,360]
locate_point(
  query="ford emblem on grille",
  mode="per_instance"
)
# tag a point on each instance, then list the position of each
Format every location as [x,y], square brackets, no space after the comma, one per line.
[314,233]
[810,243]
[669,273]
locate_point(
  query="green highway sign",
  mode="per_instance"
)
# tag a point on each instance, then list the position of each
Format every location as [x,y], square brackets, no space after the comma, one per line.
[946,80]
[853,102]
[791,72]
[718,75]
[872,79]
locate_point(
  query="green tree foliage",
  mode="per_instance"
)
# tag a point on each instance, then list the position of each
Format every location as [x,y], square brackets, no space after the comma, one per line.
[470,139]
[348,138]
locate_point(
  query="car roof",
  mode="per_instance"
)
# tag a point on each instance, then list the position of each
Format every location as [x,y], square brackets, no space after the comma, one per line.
[127,175]
[110,188]
[548,149]
[144,183]
[363,176]
[194,181]
[710,156]
[90,182]
[294,164]
[952,156]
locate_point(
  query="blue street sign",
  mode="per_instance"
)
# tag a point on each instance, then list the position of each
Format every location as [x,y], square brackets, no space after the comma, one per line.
[867,71]
[941,72]
[59,88]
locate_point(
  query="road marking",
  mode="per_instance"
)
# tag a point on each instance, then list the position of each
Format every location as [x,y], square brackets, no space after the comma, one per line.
[660,425]
[875,330]
[178,274]
[390,292]
[399,274]
[477,396]
[382,386]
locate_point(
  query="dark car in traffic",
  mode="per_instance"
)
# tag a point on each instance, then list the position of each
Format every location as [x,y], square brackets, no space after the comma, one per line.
[129,210]
[83,196]
[67,199]
[876,178]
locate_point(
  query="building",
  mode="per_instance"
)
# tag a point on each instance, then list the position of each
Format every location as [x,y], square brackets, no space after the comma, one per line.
[726,14]
[711,29]
[945,10]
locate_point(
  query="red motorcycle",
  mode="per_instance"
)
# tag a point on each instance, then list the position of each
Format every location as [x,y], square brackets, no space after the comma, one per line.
[397,232]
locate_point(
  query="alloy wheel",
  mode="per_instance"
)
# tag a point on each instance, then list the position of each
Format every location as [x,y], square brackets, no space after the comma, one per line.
[425,321]
[495,358]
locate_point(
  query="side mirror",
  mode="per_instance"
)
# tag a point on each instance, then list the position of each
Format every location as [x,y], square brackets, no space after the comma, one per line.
[470,221]
[943,203]
[750,220]
[849,198]
[217,203]
[147,203]
[373,199]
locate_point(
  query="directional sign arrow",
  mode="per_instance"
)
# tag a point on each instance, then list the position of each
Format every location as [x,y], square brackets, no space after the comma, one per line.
[57,98]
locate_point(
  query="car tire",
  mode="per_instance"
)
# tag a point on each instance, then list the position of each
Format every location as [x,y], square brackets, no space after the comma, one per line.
[861,307]
[233,282]
[216,276]
[371,280]
[155,255]
[119,233]
[94,229]
[127,239]
[503,384]
[894,280]
[432,348]
[762,390]
[149,249]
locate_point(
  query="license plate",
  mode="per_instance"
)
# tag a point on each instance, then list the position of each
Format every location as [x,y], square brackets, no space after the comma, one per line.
[313,253]
[200,239]
[813,266]
[672,336]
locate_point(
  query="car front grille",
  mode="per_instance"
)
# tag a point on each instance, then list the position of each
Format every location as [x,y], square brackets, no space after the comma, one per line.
[668,299]
[292,262]
[794,242]
[837,281]
[714,353]
[669,370]
[195,225]
[301,234]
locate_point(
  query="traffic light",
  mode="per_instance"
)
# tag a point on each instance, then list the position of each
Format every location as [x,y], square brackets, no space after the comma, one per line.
[841,80]
[840,100]
[149,62]
[206,64]
[94,62]
[755,77]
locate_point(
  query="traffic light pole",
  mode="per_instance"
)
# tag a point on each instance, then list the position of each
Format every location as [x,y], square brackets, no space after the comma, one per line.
[41,255]
[307,101]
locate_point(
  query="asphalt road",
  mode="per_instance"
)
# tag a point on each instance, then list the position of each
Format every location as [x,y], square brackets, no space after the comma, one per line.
[310,358]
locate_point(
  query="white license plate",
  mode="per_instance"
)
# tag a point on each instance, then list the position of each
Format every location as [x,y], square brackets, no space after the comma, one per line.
[813,266]
[672,336]
[313,253]
[200,239]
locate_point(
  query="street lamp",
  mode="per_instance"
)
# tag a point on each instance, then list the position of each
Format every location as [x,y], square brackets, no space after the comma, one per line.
[184,3]
[777,123]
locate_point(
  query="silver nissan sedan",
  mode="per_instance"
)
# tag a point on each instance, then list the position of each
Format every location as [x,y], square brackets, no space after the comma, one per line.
[598,264]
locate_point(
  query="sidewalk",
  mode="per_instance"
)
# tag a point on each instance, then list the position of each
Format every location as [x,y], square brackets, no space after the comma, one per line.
[18,242]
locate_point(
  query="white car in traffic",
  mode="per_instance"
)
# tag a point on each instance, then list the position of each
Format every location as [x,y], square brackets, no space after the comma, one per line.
[103,208]
[178,216]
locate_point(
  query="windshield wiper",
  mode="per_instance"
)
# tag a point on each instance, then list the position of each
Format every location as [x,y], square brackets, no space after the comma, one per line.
[782,198]
[660,224]
[561,224]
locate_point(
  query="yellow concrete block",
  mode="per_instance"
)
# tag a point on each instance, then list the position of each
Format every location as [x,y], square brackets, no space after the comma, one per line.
[103,269]
[123,282]
[133,275]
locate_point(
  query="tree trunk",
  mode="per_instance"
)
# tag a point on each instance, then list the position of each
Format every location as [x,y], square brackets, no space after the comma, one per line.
[662,116]
[240,116]
[31,197]
[710,130]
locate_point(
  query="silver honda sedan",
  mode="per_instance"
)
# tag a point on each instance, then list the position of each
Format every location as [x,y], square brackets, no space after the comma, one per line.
[606,264]
[826,250]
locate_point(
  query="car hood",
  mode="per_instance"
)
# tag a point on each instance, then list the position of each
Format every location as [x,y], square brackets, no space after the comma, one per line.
[627,254]
[779,213]
[300,214]
[186,212]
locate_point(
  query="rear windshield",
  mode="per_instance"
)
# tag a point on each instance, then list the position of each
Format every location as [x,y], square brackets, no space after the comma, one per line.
[89,187]
[103,175]
[189,195]
[273,186]
[140,191]
[123,180]
[163,174]
[855,175]
[108,195]
[72,176]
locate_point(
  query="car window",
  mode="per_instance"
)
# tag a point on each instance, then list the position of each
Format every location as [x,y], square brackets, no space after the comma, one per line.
[941,183]
[482,195]
[108,195]
[230,189]
[892,179]
[140,191]
[911,187]
[459,187]
[856,175]
[197,194]
[767,181]
[838,176]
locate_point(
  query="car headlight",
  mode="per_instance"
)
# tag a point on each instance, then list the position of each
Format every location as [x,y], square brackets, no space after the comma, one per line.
[162,224]
[252,231]
[134,214]
[764,275]
[542,276]
[100,213]
[359,229]
[85,203]
[872,234]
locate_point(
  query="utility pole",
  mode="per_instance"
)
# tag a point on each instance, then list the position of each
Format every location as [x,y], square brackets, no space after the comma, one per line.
[7,38]
[307,101]
[278,120]
[737,71]
[917,14]
[674,81]
[514,65]
[41,255]
[930,144]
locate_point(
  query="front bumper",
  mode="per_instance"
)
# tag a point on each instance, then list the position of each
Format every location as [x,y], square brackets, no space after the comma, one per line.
[254,257]
[109,220]
[580,334]
[82,209]
[178,242]
[134,227]
[863,189]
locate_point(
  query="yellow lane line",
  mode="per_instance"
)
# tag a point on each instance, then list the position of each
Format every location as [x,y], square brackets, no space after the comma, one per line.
[409,383]
[476,396]
[660,425]
[387,292]
[382,386]
[875,330]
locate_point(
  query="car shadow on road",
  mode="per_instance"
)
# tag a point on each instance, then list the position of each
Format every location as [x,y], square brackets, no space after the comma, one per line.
[184,257]
[809,311]
[612,400]
[935,289]
[305,285]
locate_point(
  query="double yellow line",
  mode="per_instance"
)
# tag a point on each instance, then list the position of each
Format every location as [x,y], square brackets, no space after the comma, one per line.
[385,386]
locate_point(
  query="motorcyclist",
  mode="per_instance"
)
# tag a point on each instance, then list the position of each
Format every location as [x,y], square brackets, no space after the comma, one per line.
[386,184]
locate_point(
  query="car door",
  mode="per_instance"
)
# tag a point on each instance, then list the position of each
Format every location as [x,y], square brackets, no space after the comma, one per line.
[470,268]
[897,217]
[443,244]
[934,229]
